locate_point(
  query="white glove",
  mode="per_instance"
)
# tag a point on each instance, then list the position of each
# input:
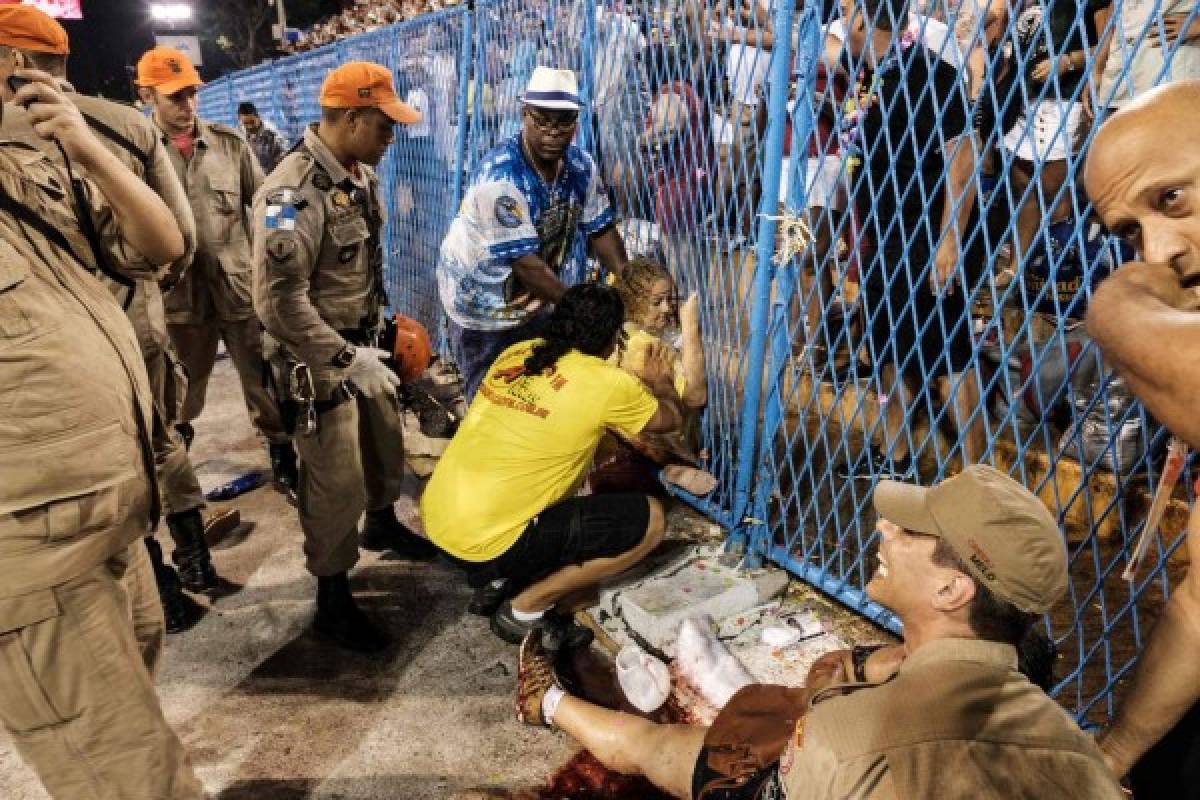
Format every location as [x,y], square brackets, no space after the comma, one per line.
[368,373]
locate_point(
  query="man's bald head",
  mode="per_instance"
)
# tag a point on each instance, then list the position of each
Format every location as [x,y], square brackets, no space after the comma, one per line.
[1143,176]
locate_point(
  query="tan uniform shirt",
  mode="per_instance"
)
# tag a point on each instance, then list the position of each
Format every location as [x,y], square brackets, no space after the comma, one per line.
[957,721]
[144,154]
[220,180]
[318,254]
[75,406]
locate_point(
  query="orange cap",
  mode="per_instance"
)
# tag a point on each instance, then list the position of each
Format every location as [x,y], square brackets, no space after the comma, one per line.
[361,84]
[166,69]
[27,28]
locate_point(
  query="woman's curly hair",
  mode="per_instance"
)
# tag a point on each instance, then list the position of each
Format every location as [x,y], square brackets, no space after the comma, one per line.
[640,275]
[586,319]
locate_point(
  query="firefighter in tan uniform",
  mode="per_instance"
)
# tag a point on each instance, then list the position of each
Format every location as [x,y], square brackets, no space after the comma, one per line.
[318,287]
[212,301]
[31,37]
[77,484]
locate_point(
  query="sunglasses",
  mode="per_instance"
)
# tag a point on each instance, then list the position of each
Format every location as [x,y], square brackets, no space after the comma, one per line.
[561,124]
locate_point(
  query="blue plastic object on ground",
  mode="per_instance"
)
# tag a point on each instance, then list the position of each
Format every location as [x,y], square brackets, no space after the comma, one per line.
[238,486]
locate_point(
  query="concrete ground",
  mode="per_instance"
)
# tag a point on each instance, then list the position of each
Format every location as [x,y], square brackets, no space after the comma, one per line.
[270,712]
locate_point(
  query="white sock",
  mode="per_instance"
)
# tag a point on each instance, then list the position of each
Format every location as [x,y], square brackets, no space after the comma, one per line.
[550,701]
[528,616]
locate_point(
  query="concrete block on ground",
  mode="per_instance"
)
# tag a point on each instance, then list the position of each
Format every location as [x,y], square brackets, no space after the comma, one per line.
[650,606]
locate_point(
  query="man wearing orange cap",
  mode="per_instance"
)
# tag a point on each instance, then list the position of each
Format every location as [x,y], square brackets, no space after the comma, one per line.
[212,302]
[29,36]
[77,468]
[319,289]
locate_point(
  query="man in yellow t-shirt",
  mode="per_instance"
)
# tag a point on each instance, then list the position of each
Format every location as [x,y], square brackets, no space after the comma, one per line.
[503,497]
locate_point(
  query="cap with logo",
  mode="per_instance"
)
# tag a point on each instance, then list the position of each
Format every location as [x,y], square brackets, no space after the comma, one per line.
[167,70]
[1001,531]
[361,84]
[552,89]
[27,28]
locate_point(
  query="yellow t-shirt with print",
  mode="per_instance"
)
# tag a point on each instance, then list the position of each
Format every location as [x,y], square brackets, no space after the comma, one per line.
[526,444]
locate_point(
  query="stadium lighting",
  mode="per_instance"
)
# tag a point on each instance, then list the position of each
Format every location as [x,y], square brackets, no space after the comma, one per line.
[170,12]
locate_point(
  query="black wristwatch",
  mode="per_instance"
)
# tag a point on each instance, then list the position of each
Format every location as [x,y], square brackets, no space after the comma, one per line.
[345,356]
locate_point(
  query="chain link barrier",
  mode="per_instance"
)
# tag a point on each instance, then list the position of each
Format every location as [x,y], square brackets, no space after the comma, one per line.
[881,209]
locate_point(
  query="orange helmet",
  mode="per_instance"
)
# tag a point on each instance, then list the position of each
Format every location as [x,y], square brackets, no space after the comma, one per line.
[412,350]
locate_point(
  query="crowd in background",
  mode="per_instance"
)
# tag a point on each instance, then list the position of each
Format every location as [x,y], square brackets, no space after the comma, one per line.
[364,16]
[678,121]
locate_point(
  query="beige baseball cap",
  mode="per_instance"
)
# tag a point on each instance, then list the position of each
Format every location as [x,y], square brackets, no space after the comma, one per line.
[1001,531]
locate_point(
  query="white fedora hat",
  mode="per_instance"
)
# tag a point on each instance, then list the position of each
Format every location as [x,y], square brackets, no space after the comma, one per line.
[553,89]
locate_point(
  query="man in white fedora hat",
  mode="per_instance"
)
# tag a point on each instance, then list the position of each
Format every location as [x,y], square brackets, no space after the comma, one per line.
[504,259]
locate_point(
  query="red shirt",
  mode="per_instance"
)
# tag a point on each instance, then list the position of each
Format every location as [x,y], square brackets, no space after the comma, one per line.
[185,143]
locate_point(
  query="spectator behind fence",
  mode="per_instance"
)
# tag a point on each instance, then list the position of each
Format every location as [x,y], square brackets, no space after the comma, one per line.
[620,81]
[516,234]
[1067,262]
[1149,42]
[419,164]
[502,499]
[1051,45]
[268,144]
[911,164]
[657,328]
[967,565]
[676,146]
[1143,174]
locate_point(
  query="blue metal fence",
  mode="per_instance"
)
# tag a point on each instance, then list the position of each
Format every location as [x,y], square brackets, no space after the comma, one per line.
[806,180]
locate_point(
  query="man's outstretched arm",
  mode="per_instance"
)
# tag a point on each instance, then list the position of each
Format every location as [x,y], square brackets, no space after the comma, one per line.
[1148,328]
[609,250]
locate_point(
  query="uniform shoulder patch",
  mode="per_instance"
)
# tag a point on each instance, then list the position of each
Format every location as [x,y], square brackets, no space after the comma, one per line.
[281,207]
[508,211]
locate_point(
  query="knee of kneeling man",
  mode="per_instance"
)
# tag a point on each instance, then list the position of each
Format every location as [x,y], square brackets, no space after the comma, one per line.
[656,526]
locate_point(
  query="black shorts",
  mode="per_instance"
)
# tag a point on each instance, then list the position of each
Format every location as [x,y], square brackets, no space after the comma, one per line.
[766,784]
[571,532]
[922,335]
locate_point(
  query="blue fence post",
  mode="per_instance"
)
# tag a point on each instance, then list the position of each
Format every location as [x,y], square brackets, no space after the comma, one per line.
[466,61]
[771,167]
[807,54]
[587,78]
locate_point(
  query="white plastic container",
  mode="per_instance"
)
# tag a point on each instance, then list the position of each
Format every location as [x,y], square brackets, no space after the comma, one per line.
[643,678]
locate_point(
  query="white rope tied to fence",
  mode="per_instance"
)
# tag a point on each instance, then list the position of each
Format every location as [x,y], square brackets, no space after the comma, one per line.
[793,237]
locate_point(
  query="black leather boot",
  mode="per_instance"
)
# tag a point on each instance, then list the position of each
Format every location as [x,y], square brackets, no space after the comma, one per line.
[180,611]
[340,619]
[191,554]
[285,474]
[383,531]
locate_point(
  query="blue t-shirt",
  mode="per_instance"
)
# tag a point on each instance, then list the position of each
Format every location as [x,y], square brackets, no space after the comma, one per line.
[1072,266]
[509,211]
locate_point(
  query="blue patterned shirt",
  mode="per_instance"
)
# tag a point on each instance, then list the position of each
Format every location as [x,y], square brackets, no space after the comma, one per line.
[509,211]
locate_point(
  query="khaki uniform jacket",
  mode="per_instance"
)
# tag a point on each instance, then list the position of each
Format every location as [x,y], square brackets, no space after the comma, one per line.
[144,154]
[220,181]
[75,404]
[957,721]
[318,255]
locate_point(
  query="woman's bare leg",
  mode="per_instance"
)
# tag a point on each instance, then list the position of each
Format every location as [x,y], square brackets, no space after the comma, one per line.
[665,755]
